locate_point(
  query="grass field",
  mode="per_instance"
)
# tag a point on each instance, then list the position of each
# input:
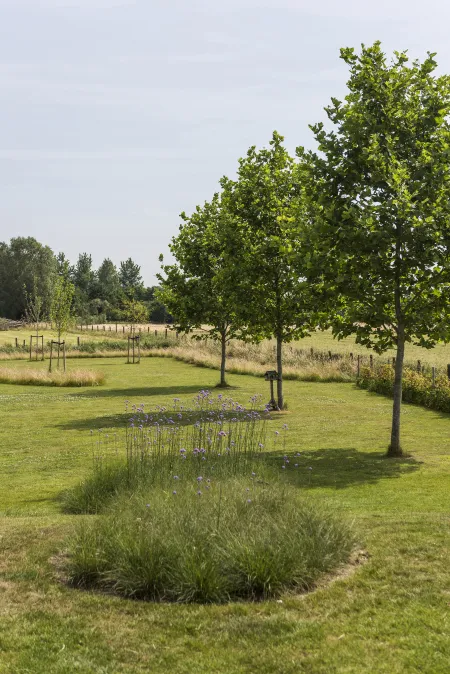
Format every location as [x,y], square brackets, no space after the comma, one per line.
[389,615]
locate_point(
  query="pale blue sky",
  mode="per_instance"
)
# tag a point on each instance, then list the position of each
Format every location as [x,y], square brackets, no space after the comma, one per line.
[115,115]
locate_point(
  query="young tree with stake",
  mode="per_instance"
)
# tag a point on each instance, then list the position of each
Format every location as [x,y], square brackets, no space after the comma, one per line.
[380,207]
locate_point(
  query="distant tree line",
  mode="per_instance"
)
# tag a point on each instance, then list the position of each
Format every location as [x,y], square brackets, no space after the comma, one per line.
[28,280]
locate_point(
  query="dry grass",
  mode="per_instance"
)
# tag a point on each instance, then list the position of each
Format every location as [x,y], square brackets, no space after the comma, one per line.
[57,378]
[256,359]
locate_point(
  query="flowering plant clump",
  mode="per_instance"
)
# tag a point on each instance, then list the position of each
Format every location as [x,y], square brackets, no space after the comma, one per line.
[215,437]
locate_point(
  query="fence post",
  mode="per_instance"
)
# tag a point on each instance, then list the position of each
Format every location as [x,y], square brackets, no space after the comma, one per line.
[419,367]
[17,343]
[351,356]
[371,362]
[92,327]
[123,329]
[156,333]
[358,365]
[78,340]
[166,333]
[433,376]
[393,361]
[448,371]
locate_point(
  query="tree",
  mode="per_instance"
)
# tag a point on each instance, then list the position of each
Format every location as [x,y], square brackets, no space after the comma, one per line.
[108,282]
[271,297]
[380,206]
[193,289]
[134,311]
[22,261]
[34,305]
[61,306]
[130,277]
[83,277]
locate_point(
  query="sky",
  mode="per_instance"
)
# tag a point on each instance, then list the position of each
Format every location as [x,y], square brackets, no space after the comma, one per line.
[116,115]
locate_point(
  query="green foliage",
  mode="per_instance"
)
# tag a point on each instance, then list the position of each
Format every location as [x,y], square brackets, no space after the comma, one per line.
[130,278]
[379,196]
[24,263]
[417,387]
[61,305]
[134,311]
[193,289]
[271,296]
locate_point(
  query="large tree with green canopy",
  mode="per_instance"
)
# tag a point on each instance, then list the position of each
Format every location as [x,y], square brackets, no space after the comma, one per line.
[270,294]
[193,288]
[379,192]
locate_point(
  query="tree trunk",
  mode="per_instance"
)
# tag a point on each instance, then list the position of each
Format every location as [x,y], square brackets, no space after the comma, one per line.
[280,400]
[394,448]
[223,357]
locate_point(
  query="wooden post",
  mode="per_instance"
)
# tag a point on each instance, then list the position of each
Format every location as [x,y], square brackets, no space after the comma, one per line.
[139,350]
[51,356]
[371,362]
[358,365]
[31,346]
[59,349]
[116,327]
[433,377]
[92,326]
[78,340]
[419,367]
[128,358]
[166,333]
[156,333]
[123,329]
[148,329]
[17,343]
[312,351]
[393,362]
[64,354]
[42,342]
[329,355]
[133,350]
[351,356]
[448,371]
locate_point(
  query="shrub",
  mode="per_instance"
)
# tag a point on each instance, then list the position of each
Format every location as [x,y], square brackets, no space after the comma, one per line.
[417,387]
[208,541]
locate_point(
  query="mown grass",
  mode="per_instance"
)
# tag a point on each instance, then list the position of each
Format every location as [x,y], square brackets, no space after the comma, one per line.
[389,615]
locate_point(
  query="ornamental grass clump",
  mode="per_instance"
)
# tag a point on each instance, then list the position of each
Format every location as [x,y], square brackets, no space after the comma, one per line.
[207,540]
[215,437]
[41,377]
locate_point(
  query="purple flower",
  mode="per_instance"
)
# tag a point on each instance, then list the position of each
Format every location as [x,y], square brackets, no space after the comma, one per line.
[249,500]
[199,479]
[174,492]
[148,505]
[175,477]
[199,493]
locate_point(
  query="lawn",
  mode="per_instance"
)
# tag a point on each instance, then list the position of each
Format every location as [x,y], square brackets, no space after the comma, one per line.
[388,615]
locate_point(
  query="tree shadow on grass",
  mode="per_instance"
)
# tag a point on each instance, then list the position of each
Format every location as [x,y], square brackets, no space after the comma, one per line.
[141,392]
[188,418]
[341,467]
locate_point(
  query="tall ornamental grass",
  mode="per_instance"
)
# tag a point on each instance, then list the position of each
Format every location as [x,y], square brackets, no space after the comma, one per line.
[207,540]
[34,377]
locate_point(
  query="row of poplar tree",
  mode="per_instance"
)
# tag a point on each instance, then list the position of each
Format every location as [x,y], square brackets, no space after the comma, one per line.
[29,271]
[354,236]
